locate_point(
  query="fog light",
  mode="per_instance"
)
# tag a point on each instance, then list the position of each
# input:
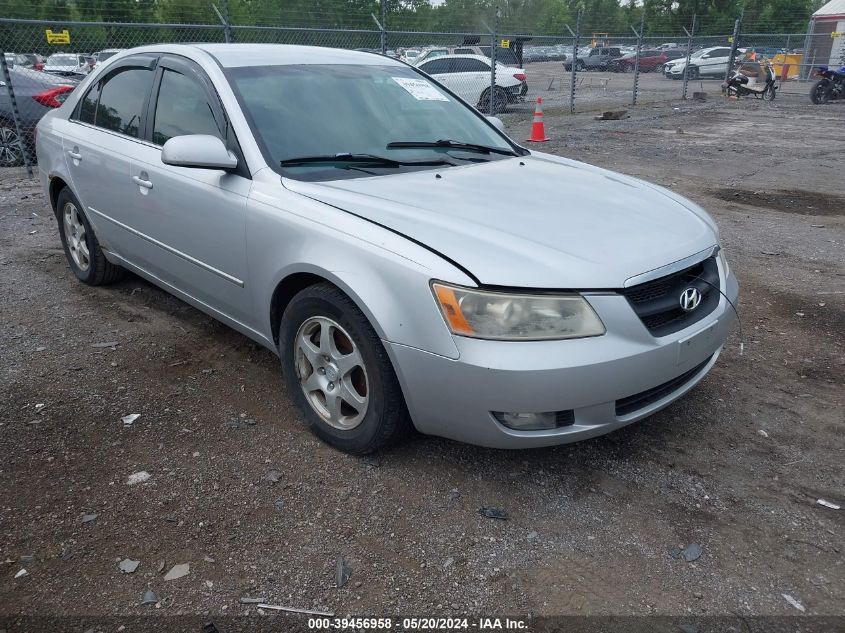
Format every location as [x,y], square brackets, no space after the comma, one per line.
[535,421]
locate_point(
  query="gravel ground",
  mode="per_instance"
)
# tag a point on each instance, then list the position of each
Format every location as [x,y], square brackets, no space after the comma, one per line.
[242,492]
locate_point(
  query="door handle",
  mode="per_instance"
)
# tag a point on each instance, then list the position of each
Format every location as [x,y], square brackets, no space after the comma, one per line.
[146,184]
[74,154]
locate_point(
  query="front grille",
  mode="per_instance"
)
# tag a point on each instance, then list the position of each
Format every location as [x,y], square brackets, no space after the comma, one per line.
[657,302]
[641,400]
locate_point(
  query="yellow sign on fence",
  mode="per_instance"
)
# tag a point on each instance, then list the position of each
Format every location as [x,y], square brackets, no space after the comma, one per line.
[60,37]
[505,44]
[836,34]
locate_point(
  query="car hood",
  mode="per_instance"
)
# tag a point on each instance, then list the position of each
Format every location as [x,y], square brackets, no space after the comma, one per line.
[536,221]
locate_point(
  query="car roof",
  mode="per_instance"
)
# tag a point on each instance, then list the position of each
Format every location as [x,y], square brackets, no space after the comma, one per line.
[238,55]
[483,58]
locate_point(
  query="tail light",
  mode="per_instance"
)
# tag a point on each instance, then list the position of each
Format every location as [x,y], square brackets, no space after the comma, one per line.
[519,76]
[38,66]
[54,97]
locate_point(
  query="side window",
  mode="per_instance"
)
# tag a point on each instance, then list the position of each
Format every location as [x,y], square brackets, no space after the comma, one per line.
[464,51]
[436,67]
[122,100]
[470,66]
[88,107]
[182,108]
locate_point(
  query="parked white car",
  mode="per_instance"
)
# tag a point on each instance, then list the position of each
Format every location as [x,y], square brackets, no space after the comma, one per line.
[708,62]
[409,55]
[66,64]
[105,54]
[468,76]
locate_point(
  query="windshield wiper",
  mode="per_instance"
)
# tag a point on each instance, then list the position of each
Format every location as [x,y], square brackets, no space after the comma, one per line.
[449,144]
[371,159]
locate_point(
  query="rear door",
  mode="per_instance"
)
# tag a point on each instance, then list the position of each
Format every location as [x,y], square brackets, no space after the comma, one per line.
[470,78]
[716,62]
[441,69]
[192,220]
[104,130]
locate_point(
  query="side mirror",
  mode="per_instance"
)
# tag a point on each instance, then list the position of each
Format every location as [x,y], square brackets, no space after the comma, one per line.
[201,151]
[497,123]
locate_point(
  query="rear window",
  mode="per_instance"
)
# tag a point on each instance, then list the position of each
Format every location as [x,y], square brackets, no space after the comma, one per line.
[504,56]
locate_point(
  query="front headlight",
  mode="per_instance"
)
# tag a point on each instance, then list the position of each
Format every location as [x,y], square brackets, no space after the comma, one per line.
[724,261]
[512,317]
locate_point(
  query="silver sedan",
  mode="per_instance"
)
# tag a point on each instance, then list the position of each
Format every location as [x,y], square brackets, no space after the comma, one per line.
[411,265]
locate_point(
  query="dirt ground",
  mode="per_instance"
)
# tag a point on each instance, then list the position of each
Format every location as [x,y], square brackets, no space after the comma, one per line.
[259,508]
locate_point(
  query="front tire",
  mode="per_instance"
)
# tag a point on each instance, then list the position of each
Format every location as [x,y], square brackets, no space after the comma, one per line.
[81,246]
[692,73]
[338,373]
[579,66]
[769,93]
[820,91]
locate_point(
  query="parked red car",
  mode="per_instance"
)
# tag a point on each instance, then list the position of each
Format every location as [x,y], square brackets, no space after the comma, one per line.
[649,60]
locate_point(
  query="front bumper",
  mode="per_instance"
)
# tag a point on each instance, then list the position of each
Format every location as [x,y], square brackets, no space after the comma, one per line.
[455,398]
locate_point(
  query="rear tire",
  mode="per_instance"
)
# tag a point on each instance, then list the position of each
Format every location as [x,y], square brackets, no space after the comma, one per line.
[500,101]
[343,385]
[820,91]
[82,249]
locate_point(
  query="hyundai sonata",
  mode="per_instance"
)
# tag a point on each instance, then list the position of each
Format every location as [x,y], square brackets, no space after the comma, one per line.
[409,263]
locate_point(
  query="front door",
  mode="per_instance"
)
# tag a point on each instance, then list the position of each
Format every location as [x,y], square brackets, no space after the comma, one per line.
[193,219]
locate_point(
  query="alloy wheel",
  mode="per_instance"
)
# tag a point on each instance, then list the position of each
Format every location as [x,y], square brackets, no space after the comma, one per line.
[76,237]
[332,373]
[11,152]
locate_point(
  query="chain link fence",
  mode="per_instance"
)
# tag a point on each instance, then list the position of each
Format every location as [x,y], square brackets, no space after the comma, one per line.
[494,70]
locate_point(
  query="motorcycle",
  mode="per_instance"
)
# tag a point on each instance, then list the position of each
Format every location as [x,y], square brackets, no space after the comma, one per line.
[830,86]
[751,78]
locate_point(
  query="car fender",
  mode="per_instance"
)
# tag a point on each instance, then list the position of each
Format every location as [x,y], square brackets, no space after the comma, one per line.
[386,274]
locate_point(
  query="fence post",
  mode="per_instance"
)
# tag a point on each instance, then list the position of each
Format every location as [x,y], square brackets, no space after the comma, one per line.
[224,20]
[637,59]
[227,29]
[383,27]
[808,46]
[494,37]
[689,33]
[734,44]
[16,117]
[573,67]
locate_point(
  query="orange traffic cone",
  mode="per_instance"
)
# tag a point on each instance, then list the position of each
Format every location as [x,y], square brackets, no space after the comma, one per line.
[538,130]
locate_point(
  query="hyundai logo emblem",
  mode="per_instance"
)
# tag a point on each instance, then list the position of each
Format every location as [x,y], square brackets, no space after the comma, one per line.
[690,299]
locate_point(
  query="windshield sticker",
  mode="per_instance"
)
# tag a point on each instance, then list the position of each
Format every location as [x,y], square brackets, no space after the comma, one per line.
[420,89]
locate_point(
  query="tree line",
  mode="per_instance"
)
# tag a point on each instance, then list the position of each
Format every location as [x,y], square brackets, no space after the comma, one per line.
[538,17]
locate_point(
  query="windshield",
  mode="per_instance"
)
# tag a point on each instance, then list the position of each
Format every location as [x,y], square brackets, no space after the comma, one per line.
[62,60]
[308,111]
